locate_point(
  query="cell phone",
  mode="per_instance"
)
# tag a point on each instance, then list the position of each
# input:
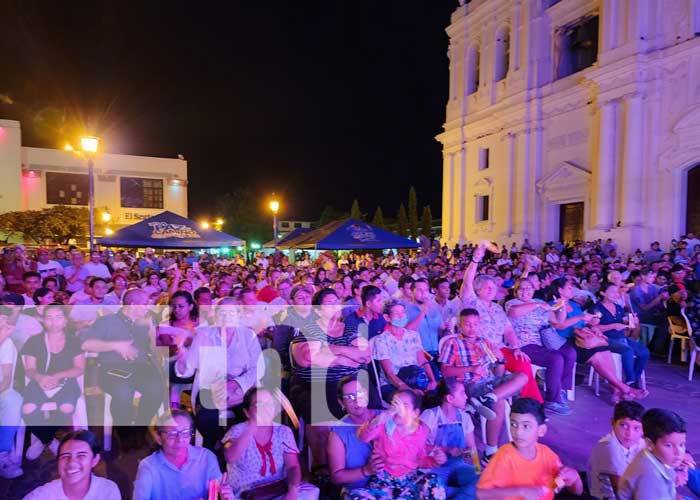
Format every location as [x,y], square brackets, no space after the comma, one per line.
[123,374]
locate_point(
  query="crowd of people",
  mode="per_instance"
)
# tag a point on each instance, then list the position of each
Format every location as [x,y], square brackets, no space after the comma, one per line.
[353,375]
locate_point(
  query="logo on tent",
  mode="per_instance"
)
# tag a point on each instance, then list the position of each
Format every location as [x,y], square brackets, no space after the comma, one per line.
[162,230]
[362,232]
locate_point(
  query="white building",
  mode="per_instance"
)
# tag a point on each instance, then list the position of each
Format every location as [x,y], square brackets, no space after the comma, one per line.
[129,188]
[284,227]
[572,119]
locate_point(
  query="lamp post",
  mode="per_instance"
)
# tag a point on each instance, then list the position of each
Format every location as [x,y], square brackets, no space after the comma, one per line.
[274,207]
[89,146]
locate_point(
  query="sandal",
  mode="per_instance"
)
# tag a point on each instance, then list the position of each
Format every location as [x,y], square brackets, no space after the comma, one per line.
[617,396]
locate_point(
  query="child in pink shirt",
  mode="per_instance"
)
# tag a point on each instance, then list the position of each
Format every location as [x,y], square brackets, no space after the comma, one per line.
[400,439]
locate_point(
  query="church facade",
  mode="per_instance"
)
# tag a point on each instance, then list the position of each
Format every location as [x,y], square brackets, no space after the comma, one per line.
[572,119]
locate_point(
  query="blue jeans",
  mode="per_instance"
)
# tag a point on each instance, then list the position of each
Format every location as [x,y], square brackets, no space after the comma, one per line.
[635,357]
[10,416]
[459,478]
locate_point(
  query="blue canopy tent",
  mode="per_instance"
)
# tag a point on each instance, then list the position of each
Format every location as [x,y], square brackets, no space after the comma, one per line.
[290,236]
[348,234]
[169,230]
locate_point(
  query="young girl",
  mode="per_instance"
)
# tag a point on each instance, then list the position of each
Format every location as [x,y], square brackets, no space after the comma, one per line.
[400,439]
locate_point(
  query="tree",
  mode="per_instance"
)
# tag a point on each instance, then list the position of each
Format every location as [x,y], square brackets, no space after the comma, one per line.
[413,212]
[355,210]
[427,221]
[246,217]
[378,219]
[58,224]
[402,221]
[329,214]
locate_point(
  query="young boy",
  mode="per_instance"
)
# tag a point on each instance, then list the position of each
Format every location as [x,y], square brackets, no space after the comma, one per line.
[613,453]
[652,475]
[479,364]
[525,469]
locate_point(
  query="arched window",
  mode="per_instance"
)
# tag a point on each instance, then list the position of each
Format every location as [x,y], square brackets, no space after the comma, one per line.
[502,54]
[473,69]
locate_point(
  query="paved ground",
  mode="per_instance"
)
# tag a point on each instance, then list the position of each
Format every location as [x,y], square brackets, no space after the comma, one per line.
[571,437]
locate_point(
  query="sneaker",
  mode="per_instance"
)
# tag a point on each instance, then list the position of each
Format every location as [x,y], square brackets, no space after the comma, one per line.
[484,406]
[485,459]
[53,446]
[8,468]
[558,408]
[35,449]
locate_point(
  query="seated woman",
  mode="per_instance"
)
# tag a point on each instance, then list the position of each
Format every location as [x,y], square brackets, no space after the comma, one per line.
[579,326]
[397,348]
[350,461]
[625,301]
[225,358]
[177,469]
[262,454]
[614,324]
[400,439]
[52,362]
[529,317]
[451,428]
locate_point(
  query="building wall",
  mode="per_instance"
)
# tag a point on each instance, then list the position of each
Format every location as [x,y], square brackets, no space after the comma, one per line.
[24,181]
[619,135]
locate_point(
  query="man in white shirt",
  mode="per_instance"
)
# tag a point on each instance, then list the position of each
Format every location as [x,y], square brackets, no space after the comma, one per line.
[78,455]
[47,267]
[95,267]
[76,274]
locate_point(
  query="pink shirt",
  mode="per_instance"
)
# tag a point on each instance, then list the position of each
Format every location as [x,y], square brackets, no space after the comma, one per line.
[401,454]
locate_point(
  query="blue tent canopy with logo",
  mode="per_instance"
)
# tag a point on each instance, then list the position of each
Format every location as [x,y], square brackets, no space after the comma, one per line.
[169,230]
[348,234]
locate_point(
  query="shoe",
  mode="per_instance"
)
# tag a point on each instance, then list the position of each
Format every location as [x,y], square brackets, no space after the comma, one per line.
[558,408]
[35,449]
[8,468]
[53,446]
[485,459]
[484,406]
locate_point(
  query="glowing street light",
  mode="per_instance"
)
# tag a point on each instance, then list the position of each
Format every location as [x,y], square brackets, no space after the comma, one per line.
[68,147]
[109,231]
[106,217]
[204,224]
[274,208]
[90,145]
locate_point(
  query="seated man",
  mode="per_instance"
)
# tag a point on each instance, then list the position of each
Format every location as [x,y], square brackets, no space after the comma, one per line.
[78,455]
[177,469]
[479,365]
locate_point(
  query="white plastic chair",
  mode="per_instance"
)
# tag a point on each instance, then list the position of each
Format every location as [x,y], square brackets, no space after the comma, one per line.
[694,350]
[593,375]
[570,393]
[679,328]
[506,423]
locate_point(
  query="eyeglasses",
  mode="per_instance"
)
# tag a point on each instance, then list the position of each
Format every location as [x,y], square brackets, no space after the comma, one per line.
[354,397]
[183,434]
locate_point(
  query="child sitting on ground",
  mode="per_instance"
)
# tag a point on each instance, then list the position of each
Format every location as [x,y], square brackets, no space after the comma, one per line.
[652,473]
[525,468]
[476,362]
[399,438]
[614,452]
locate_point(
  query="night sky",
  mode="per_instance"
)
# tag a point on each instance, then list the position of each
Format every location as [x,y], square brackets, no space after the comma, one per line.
[320,101]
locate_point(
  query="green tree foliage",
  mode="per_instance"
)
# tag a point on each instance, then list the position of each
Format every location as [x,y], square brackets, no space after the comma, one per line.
[413,212]
[246,215]
[56,224]
[355,212]
[402,221]
[378,219]
[427,221]
[330,214]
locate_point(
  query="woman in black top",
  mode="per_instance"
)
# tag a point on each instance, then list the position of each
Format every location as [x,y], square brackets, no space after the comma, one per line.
[52,362]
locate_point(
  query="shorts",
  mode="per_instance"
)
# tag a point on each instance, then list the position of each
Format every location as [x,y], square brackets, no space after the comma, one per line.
[484,386]
[68,394]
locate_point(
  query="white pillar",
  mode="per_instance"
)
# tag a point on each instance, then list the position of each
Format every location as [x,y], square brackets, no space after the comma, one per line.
[463,195]
[511,212]
[447,198]
[604,174]
[632,208]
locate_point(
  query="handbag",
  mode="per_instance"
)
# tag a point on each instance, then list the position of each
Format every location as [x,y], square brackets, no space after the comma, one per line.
[267,491]
[414,376]
[586,339]
[551,338]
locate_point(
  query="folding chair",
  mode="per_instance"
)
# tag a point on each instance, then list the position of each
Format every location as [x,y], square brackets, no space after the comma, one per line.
[593,375]
[679,328]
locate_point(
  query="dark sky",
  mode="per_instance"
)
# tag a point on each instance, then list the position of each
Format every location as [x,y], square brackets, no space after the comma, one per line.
[322,101]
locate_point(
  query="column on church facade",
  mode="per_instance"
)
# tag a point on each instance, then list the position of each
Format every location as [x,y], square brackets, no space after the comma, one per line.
[604,173]
[632,199]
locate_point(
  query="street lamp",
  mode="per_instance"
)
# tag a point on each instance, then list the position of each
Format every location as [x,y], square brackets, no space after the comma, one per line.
[89,146]
[274,207]
[204,224]
[106,217]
